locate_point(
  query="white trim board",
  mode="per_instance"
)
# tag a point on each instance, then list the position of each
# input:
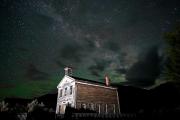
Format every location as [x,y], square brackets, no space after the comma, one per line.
[95,85]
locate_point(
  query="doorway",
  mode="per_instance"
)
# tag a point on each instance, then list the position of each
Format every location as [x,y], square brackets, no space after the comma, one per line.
[62,109]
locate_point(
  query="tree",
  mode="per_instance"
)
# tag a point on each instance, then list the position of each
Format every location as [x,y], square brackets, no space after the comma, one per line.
[3,106]
[34,105]
[172,69]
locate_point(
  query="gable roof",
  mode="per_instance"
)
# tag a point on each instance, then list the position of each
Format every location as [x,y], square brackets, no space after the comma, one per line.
[90,81]
[87,80]
[64,80]
[68,79]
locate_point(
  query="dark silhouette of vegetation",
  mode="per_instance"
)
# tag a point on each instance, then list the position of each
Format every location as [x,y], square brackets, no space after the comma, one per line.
[172,70]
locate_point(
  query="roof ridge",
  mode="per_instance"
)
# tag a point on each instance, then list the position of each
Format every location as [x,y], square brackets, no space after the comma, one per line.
[87,79]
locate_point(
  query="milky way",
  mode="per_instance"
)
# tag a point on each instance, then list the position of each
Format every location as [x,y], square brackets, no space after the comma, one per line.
[121,38]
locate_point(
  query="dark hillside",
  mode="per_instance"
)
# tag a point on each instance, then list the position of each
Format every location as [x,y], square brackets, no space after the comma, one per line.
[163,97]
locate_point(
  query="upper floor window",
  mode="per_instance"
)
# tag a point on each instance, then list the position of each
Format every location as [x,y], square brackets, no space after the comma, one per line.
[70,90]
[65,91]
[60,94]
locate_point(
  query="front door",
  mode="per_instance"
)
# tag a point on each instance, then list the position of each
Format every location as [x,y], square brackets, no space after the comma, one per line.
[62,109]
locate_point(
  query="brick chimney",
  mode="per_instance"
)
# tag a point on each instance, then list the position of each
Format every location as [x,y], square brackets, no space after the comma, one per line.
[68,71]
[107,80]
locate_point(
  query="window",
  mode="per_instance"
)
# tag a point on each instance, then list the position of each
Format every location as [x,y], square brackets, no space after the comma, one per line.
[83,106]
[106,109]
[99,108]
[65,92]
[78,105]
[110,108]
[96,107]
[103,108]
[70,90]
[60,93]
[91,106]
[114,108]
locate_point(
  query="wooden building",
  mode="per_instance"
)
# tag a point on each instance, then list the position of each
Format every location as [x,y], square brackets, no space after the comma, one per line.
[88,94]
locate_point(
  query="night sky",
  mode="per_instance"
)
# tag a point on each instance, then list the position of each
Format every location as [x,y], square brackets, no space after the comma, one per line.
[121,38]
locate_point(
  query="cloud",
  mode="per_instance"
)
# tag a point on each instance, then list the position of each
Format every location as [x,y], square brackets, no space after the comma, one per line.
[71,54]
[94,71]
[83,41]
[21,49]
[112,45]
[121,70]
[6,85]
[145,71]
[86,36]
[32,73]
[99,66]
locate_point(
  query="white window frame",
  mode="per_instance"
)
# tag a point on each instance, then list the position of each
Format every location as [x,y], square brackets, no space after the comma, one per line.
[71,90]
[65,91]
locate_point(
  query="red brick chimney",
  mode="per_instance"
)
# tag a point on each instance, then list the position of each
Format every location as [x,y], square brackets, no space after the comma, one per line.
[107,80]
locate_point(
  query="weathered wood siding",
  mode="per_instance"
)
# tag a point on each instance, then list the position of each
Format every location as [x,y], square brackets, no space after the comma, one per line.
[98,96]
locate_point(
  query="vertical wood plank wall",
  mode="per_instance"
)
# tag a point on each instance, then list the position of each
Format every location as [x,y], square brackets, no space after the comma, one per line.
[104,100]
